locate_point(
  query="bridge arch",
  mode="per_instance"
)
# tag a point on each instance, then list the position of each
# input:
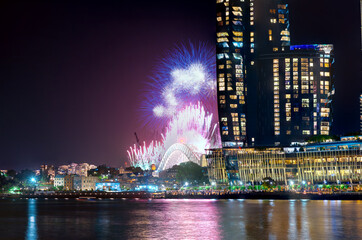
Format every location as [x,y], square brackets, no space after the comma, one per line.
[176,154]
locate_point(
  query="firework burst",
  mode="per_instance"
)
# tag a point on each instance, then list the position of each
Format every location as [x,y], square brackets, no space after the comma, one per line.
[186,75]
[180,102]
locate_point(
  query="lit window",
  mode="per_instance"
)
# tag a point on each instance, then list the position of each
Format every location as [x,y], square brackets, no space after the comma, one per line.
[238,34]
[233,105]
[222,39]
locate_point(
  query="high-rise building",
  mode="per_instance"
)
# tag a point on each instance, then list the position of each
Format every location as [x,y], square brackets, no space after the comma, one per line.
[232,47]
[295,89]
[360,112]
[269,91]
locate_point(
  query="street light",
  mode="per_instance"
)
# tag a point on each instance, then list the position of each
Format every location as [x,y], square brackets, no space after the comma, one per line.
[33,179]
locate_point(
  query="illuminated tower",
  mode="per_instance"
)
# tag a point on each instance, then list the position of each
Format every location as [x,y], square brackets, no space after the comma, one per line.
[232,29]
[269,92]
[245,28]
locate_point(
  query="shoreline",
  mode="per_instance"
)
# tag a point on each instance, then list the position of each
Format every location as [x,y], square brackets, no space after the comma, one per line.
[162,195]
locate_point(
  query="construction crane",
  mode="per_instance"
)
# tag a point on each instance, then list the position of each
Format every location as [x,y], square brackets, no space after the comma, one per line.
[137,140]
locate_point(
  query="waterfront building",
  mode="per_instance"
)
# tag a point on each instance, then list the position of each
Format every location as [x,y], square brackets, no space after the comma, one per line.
[269,91]
[69,182]
[330,162]
[108,186]
[82,183]
[59,181]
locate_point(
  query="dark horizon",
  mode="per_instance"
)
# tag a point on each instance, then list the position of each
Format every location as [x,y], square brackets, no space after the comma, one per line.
[72,74]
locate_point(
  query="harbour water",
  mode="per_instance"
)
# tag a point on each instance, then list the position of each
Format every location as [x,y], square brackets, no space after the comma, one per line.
[180,219]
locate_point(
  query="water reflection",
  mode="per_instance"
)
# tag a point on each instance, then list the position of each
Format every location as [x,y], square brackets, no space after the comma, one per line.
[31,231]
[181,219]
[198,219]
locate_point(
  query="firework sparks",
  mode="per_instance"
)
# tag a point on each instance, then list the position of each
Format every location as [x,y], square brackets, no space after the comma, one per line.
[144,156]
[192,126]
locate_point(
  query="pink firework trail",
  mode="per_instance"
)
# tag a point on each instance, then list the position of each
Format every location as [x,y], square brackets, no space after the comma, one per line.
[192,126]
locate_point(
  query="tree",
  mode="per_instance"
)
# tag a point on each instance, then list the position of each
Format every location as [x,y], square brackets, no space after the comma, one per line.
[268,182]
[25,176]
[134,170]
[190,172]
[11,173]
[103,171]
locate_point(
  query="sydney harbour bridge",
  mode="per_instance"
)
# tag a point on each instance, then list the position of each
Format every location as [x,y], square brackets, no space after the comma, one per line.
[176,154]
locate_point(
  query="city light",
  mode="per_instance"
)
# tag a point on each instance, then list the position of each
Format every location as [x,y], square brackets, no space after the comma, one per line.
[33,180]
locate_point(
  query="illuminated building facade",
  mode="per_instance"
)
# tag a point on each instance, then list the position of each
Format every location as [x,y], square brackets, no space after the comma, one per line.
[80,183]
[269,91]
[299,105]
[59,181]
[336,162]
[108,186]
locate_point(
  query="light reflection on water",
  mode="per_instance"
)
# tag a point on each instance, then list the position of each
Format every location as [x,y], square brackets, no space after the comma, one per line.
[180,219]
[31,232]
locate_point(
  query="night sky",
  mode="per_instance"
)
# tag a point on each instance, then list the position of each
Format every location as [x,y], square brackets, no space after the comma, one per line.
[72,74]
